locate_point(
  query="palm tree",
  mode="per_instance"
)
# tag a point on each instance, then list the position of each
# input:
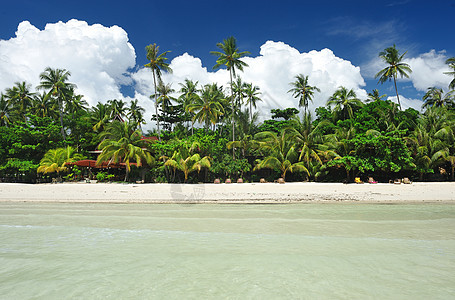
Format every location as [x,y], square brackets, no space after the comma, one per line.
[157,64]
[100,116]
[345,102]
[5,110]
[207,107]
[76,103]
[252,97]
[431,138]
[245,125]
[118,109]
[302,90]
[163,97]
[451,63]
[281,153]
[187,162]
[43,106]
[307,138]
[230,57]
[189,95]
[56,82]
[55,160]
[20,98]
[421,143]
[435,97]
[136,113]
[122,142]
[246,144]
[374,96]
[239,93]
[339,147]
[392,57]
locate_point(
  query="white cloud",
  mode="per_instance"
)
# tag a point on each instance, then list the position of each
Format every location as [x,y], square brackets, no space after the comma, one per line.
[278,64]
[97,56]
[408,103]
[273,70]
[428,70]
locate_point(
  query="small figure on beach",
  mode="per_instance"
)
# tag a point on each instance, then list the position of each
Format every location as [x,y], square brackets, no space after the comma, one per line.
[371,180]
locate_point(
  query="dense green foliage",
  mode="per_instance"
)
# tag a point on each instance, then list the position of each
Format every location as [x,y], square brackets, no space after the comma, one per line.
[347,138]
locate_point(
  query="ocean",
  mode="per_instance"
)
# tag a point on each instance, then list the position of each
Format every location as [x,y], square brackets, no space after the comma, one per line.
[208,251]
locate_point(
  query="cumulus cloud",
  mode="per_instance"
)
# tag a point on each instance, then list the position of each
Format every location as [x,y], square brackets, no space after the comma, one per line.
[101,58]
[408,102]
[273,70]
[97,57]
[278,64]
[428,70]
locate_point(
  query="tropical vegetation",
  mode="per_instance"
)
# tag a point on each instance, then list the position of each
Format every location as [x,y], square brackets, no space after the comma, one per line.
[207,132]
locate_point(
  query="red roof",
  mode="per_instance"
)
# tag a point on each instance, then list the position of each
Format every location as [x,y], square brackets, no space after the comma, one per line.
[149,138]
[92,164]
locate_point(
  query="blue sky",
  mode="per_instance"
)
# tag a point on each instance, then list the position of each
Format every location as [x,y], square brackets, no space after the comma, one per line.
[354,30]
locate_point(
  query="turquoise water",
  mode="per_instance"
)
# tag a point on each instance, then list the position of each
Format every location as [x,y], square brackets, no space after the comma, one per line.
[320,251]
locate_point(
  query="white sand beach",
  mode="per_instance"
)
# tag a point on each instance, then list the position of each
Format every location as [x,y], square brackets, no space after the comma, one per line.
[438,192]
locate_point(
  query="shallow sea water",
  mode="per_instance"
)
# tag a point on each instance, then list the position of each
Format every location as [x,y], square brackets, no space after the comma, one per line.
[308,251]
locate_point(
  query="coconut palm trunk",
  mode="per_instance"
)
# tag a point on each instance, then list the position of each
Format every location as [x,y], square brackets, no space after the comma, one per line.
[251,112]
[232,116]
[127,172]
[62,130]
[396,90]
[156,108]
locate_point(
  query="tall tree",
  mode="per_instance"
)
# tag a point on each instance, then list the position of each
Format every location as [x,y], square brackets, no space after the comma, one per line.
[43,106]
[345,102]
[75,103]
[136,113]
[188,96]
[208,107]
[20,98]
[164,98]
[308,138]
[55,81]
[396,67]
[252,97]
[436,97]
[5,110]
[100,116]
[157,64]
[451,63]
[303,91]
[239,93]
[230,56]
[118,109]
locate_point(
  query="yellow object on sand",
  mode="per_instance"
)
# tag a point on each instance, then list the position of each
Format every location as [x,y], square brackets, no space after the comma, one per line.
[357,180]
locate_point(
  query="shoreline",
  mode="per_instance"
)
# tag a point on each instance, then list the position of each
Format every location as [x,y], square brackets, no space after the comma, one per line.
[244,193]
